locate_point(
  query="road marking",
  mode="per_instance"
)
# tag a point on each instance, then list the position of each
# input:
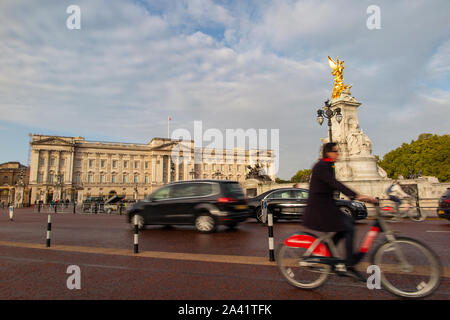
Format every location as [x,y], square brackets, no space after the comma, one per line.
[437,231]
[252,260]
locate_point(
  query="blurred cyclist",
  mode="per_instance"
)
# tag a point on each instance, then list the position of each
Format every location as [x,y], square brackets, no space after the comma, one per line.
[395,193]
[322,213]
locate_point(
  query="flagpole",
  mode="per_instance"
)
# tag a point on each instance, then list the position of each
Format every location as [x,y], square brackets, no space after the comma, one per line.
[168,127]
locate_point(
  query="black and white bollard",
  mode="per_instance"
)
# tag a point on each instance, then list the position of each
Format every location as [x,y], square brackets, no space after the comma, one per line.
[269,216]
[49,228]
[136,237]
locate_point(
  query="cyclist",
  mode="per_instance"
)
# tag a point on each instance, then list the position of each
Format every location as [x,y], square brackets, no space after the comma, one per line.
[396,193]
[322,213]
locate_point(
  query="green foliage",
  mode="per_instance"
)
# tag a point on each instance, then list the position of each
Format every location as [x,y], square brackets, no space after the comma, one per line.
[278,180]
[429,155]
[302,176]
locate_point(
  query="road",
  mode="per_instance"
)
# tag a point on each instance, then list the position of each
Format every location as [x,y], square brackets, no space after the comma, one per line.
[175,263]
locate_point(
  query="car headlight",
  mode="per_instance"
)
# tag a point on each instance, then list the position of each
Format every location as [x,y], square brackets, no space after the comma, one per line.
[357,204]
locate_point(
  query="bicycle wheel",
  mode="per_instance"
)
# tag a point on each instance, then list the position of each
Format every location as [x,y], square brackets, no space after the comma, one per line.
[299,273]
[408,268]
[417,216]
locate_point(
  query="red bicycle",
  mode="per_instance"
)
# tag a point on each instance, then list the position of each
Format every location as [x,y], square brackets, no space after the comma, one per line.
[408,267]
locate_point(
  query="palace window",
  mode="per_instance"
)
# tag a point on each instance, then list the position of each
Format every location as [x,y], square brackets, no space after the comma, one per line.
[90,178]
[114,164]
[146,164]
[136,164]
[146,179]
[124,178]
[91,163]
[113,178]
[102,178]
[103,163]
[40,177]
[125,164]
[136,179]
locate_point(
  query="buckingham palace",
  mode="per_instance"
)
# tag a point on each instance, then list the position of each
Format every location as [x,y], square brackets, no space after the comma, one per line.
[73,168]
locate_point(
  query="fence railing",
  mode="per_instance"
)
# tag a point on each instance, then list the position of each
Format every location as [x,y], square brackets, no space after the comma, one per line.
[88,208]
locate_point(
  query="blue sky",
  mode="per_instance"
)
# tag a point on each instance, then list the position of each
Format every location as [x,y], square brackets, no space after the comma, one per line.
[230,64]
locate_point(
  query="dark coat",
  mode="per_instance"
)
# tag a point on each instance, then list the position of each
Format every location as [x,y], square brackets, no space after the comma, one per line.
[321,212]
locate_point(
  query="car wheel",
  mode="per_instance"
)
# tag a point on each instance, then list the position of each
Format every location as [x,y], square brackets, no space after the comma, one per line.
[259,215]
[140,222]
[347,211]
[205,223]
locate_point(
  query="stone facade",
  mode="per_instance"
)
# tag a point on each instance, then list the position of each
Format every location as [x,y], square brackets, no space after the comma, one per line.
[74,168]
[13,184]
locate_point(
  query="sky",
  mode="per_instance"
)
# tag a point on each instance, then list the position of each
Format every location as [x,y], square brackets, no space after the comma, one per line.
[231,64]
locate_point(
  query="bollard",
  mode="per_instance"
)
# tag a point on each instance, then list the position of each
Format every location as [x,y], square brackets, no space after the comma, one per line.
[269,216]
[74,207]
[49,228]
[136,237]
[11,213]
[39,207]
[56,206]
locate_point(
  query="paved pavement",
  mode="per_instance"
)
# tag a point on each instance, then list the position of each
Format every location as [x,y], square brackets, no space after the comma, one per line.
[174,263]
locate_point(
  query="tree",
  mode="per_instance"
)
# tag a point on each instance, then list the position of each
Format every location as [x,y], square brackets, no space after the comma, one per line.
[278,180]
[429,155]
[302,176]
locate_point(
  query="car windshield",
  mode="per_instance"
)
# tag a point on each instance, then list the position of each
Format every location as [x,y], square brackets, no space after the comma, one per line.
[233,190]
[160,194]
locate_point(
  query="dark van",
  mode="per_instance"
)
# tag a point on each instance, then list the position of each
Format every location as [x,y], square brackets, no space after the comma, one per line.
[206,204]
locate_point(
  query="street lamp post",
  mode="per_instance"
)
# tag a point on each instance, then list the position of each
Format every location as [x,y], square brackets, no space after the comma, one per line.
[329,114]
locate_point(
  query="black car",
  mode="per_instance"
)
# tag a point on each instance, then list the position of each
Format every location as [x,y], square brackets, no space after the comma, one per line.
[443,210]
[205,204]
[290,203]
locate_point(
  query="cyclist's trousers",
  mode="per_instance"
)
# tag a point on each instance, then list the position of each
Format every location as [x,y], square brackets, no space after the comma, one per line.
[351,259]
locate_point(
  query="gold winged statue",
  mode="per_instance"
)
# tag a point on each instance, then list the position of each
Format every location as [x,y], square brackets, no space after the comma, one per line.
[338,73]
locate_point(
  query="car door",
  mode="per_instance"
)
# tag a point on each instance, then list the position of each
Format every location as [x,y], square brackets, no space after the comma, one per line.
[155,209]
[180,205]
[280,202]
[301,199]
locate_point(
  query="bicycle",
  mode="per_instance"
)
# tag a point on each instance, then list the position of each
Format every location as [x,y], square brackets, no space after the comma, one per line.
[408,267]
[410,211]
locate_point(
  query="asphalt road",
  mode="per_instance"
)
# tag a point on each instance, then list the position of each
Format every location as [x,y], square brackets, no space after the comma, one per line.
[175,263]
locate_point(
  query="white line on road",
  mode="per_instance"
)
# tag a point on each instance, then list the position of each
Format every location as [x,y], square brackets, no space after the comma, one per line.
[437,231]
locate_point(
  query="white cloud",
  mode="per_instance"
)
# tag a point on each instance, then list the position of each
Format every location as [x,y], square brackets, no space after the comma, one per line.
[231,64]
